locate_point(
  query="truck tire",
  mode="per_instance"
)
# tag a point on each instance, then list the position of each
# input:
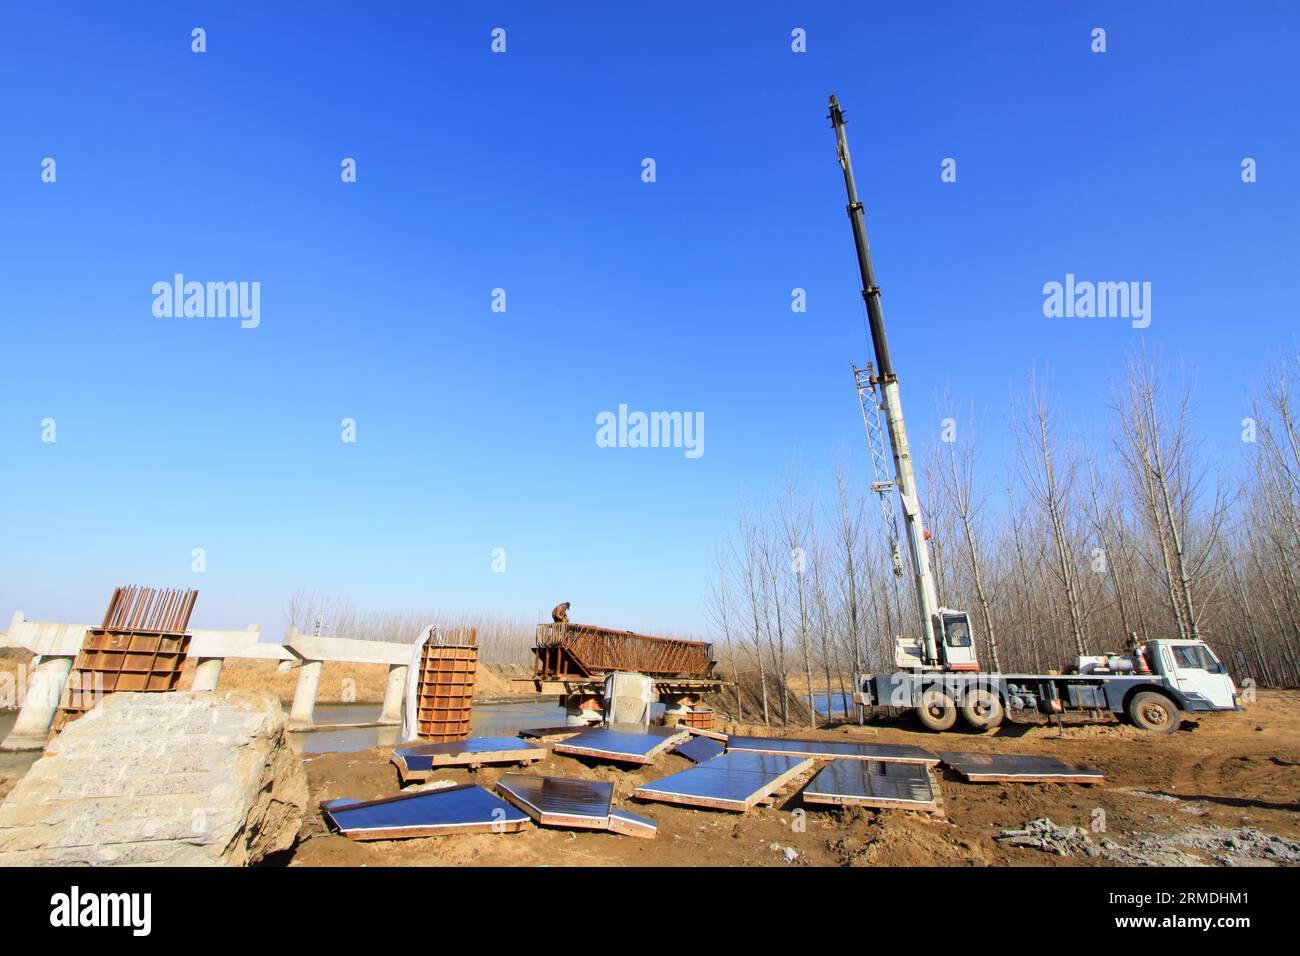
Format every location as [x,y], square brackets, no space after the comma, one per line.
[982,709]
[1154,712]
[937,711]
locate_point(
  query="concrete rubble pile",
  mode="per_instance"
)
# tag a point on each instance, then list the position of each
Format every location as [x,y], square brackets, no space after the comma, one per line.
[177,779]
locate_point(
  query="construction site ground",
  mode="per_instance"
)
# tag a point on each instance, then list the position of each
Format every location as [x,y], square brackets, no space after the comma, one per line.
[1213,793]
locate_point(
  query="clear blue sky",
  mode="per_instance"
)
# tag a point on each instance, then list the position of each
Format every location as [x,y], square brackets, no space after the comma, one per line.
[476,430]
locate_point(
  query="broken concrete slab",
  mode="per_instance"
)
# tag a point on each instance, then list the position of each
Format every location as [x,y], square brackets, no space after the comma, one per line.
[177,779]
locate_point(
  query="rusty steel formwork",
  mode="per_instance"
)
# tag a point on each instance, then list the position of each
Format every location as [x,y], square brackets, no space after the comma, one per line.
[147,610]
[567,651]
[445,690]
[141,646]
[700,718]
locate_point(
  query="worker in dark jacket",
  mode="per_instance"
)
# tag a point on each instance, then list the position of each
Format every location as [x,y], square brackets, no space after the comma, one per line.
[560,613]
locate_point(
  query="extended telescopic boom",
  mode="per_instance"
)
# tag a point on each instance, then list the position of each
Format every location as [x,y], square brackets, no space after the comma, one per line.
[927,601]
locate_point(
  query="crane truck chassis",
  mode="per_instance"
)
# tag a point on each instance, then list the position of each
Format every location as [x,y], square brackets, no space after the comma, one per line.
[938,675]
[1151,688]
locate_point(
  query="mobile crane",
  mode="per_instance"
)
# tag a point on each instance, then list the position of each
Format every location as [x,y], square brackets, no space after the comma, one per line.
[938,676]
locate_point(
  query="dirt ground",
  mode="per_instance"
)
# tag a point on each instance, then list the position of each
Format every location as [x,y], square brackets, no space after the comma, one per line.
[1225,771]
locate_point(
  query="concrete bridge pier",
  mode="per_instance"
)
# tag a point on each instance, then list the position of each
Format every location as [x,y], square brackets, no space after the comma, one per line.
[394,694]
[304,696]
[45,686]
[207,672]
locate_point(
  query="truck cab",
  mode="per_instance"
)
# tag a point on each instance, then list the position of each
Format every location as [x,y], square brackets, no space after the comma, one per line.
[1192,669]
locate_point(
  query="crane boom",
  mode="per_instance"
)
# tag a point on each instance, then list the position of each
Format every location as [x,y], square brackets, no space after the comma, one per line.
[927,600]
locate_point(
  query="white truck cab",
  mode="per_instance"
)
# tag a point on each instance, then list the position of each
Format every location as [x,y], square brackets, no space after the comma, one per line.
[1194,670]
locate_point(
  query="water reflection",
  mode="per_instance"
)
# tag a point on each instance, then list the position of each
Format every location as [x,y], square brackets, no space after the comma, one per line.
[487,720]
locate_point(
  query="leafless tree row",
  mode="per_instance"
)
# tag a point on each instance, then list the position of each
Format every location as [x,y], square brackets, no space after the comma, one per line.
[1075,539]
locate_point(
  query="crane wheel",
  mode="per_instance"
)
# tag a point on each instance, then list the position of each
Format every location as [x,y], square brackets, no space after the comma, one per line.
[937,711]
[982,709]
[1154,712]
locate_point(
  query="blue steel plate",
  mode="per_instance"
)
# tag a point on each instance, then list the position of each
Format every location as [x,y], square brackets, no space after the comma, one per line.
[629,822]
[613,742]
[699,749]
[731,777]
[561,796]
[451,808]
[420,756]
[832,748]
[872,779]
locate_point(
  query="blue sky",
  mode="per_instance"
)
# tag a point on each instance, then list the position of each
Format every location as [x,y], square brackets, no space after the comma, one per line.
[476,429]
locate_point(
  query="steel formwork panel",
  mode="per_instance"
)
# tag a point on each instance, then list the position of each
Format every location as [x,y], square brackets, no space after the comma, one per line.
[141,646]
[572,803]
[700,749]
[464,809]
[833,749]
[1016,768]
[445,691]
[733,781]
[418,761]
[543,733]
[620,745]
[872,783]
[560,801]
[630,824]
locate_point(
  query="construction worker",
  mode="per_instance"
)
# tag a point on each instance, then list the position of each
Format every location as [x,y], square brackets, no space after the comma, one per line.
[560,613]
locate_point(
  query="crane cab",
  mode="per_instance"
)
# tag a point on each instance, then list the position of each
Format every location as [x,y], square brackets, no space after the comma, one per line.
[956,640]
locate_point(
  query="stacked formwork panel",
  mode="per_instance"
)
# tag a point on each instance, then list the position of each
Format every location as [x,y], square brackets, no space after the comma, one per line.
[445,691]
[140,646]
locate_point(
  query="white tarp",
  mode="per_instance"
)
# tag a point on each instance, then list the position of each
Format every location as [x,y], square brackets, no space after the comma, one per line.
[410,707]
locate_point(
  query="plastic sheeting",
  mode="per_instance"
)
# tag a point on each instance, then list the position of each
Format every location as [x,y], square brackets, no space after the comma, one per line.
[410,709]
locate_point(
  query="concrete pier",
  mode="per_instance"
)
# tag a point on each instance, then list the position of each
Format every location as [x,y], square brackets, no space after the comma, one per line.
[207,672]
[44,688]
[304,696]
[394,694]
